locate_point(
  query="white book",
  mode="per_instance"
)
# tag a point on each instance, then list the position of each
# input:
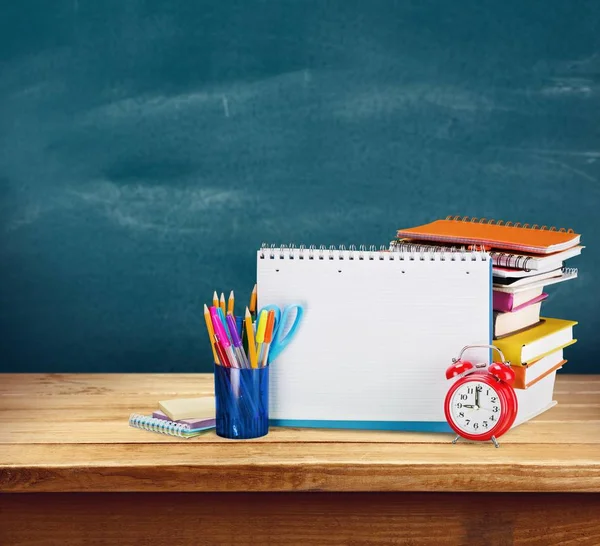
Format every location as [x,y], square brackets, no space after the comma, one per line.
[378,332]
[513,321]
[540,367]
[535,282]
[527,280]
[511,273]
[536,399]
[533,262]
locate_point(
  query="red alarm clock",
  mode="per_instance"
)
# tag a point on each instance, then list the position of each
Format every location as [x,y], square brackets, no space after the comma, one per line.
[481,404]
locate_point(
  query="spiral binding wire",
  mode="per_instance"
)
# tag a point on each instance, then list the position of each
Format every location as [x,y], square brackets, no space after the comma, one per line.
[161,426]
[403,251]
[507,259]
[474,220]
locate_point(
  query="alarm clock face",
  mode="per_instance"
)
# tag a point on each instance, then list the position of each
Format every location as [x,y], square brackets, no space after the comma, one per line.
[476,407]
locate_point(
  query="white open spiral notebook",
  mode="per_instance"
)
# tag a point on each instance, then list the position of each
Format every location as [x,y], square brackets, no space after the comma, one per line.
[380,328]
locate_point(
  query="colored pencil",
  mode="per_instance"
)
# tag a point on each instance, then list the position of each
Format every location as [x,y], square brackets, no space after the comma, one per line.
[250,337]
[252,305]
[211,332]
[231,304]
[222,304]
[215,299]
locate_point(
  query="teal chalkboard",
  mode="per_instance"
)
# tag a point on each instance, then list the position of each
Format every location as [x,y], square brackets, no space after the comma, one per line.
[147,149]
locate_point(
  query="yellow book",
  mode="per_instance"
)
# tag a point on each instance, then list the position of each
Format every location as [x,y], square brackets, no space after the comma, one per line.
[188,408]
[537,342]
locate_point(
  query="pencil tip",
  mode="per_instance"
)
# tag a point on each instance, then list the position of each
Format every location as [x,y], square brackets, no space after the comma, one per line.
[205,308]
[231,294]
[215,295]
[247,313]
[254,289]
[222,295]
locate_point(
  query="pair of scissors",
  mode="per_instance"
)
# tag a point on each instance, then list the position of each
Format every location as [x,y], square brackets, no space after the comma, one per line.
[282,333]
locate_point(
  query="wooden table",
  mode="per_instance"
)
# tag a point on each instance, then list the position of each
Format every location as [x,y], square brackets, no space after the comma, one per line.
[73,472]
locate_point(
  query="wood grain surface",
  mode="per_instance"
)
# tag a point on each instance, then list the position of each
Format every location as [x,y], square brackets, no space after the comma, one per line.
[324,519]
[68,433]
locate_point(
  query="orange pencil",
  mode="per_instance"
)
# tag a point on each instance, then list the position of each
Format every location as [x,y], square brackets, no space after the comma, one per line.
[222,304]
[215,299]
[211,332]
[231,304]
[252,305]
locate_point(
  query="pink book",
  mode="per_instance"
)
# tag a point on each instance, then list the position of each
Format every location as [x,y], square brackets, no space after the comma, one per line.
[508,302]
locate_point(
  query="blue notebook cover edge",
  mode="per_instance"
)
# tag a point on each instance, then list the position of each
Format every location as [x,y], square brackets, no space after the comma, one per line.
[410,426]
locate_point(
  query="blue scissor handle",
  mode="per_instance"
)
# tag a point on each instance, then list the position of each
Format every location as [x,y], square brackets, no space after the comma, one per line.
[280,341]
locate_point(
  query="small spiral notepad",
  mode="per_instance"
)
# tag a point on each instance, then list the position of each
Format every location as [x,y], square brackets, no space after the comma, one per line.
[380,328]
[162,426]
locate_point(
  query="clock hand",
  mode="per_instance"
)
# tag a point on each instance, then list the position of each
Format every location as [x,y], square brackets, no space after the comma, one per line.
[477,397]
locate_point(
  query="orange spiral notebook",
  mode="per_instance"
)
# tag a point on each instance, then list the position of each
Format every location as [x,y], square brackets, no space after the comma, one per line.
[491,234]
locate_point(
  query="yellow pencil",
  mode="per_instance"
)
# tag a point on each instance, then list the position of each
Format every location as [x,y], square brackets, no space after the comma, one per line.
[215,299]
[222,304]
[211,333]
[231,304]
[252,305]
[260,332]
[250,336]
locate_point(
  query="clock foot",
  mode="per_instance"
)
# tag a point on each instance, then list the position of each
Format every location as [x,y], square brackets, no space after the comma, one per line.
[455,439]
[496,444]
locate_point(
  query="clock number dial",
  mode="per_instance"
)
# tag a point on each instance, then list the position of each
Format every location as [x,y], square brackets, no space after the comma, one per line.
[475,408]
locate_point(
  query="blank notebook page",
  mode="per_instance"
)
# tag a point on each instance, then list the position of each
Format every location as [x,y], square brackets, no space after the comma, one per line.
[379,331]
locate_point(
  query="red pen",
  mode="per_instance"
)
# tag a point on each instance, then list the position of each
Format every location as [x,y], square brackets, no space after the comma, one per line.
[222,356]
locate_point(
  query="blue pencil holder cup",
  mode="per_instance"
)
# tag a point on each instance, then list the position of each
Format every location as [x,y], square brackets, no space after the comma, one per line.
[242,402]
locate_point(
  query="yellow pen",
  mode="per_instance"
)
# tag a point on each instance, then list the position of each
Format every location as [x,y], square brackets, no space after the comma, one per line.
[211,332]
[231,304]
[250,336]
[260,332]
[222,304]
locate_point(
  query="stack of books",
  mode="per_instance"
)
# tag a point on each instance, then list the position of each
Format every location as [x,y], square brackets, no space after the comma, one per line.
[526,260]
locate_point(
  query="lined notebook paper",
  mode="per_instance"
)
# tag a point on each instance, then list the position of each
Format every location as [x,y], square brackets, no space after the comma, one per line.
[379,330]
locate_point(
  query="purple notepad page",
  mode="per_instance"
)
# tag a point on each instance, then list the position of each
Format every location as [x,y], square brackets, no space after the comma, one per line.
[193,423]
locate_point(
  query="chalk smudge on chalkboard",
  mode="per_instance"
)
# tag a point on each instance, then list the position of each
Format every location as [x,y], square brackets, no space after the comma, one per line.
[138,207]
[388,100]
[225,106]
[570,86]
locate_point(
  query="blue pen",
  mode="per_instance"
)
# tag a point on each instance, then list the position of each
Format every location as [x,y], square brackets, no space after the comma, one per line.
[225,327]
